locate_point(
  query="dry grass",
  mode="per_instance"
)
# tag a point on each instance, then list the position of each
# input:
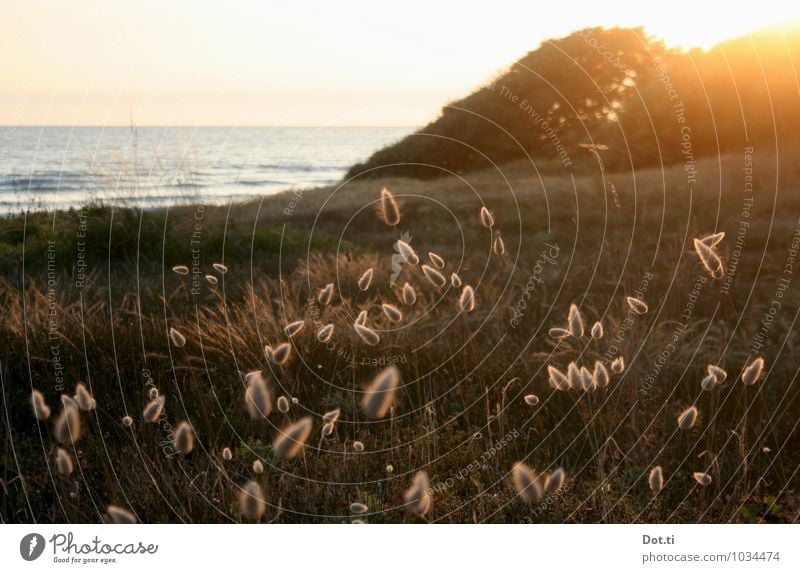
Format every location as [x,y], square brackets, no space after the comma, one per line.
[459,413]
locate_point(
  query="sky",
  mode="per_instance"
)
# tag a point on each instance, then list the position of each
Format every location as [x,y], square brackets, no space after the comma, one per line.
[239,63]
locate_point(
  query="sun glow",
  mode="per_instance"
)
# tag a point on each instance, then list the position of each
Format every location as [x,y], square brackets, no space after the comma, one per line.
[344,63]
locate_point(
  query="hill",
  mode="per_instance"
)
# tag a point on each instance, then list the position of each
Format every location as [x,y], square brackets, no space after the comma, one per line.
[649,104]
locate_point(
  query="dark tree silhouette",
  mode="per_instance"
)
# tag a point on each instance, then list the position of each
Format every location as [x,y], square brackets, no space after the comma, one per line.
[619,87]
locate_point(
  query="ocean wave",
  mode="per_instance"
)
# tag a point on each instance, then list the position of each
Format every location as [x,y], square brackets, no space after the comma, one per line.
[303,167]
[258,182]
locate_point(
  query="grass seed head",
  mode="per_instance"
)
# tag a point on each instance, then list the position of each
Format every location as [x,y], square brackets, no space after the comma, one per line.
[434,277]
[84,398]
[120,515]
[358,508]
[554,481]
[688,418]
[436,260]
[718,373]
[526,483]
[178,339]
[416,496]
[713,240]
[708,383]
[709,259]
[251,501]
[40,408]
[389,209]
[601,375]
[499,246]
[752,373]
[574,377]
[467,299]
[325,294]
[257,398]
[281,353]
[291,440]
[153,410]
[531,400]
[408,294]
[365,280]
[637,305]
[406,252]
[325,333]
[558,333]
[283,405]
[366,334]
[575,321]
[702,478]
[63,462]
[331,416]
[294,328]
[184,438]
[379,395]
[487,220]
[656,479]
[557,379]
[392,312]
[67,426]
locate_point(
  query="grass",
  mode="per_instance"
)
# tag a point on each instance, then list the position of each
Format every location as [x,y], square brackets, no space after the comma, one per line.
[460,412]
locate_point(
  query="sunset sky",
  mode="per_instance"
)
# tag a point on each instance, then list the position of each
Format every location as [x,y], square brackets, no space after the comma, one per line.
[289,63]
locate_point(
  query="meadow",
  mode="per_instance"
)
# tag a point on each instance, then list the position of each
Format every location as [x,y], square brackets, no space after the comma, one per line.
[90,297]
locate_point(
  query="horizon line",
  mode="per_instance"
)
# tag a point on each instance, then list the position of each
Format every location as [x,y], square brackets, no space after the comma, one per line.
[4,125]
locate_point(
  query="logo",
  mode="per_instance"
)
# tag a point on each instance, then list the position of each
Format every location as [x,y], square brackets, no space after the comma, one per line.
[397,258]
[31,547]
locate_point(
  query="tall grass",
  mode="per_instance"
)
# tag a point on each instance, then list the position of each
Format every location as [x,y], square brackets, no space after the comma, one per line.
[456,350]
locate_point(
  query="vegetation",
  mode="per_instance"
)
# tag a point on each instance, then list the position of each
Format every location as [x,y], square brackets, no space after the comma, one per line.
[473,398]
[619,87]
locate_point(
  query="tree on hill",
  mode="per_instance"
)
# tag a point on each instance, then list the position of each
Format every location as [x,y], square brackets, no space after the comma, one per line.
[620,87]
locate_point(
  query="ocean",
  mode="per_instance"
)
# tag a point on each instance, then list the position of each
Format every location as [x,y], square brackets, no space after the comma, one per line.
[63,167]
